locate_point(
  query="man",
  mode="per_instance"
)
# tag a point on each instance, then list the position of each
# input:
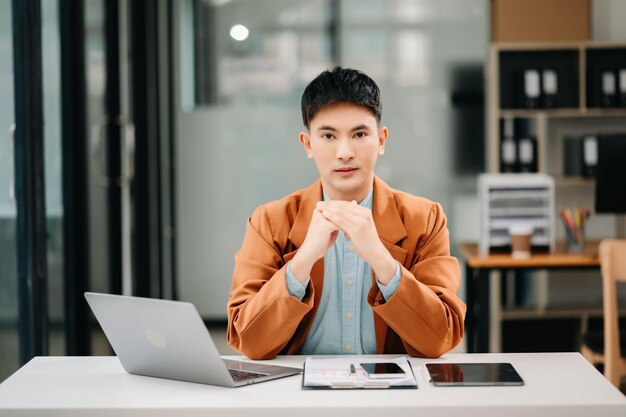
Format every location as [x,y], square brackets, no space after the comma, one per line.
[347,265]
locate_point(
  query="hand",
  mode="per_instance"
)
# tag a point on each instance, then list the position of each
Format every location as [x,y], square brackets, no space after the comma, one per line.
[358,225]
[321,235]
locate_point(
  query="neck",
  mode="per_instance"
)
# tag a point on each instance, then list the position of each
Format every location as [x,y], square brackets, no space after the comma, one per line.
[356,195]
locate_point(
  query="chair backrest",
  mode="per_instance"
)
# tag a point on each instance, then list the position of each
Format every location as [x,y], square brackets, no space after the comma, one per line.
[612,254]
[613,259]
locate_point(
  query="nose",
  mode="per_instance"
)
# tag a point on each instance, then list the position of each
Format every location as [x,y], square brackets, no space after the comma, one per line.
[344,150]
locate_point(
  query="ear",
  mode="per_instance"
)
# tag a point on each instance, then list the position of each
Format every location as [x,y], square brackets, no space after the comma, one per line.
[305,140]
[383,133]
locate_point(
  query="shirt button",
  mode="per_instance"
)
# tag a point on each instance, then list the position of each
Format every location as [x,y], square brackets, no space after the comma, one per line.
[349,282]
[349,314]
[348,346]
[351,248]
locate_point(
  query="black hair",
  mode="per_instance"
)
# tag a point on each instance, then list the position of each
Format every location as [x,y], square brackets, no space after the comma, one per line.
[340,85]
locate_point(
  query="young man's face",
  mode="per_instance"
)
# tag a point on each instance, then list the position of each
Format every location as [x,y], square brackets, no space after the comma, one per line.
[344,140]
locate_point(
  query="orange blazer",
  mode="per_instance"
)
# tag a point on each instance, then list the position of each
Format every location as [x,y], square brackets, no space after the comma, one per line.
[423,318]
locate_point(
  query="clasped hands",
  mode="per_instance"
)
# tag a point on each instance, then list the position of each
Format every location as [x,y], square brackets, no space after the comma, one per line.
[357,223]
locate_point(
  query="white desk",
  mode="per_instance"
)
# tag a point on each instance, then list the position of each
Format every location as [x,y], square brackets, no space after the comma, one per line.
[557,384]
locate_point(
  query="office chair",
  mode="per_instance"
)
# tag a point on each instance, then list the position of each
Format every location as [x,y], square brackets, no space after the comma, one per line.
[609,347]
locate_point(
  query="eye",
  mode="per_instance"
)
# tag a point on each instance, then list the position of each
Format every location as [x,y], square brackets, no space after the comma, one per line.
[327,136]
[360,134]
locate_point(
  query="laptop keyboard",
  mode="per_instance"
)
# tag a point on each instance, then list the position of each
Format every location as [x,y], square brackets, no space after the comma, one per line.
[239,376]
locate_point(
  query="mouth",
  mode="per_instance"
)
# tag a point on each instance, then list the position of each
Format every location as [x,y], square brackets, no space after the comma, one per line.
[345,171]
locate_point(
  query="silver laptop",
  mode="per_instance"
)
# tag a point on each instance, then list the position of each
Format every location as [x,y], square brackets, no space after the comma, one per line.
[168,339]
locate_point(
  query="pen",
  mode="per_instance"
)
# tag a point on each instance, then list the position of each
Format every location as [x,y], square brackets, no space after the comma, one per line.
[352,370]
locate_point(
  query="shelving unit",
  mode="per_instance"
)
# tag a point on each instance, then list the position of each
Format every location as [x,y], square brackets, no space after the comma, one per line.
[579,110]
[572,60]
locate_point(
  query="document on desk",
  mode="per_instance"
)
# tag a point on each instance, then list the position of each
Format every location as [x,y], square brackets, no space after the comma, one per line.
[348,373]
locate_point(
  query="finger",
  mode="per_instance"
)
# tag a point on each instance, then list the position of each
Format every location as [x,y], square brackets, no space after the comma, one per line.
[344,205]
[321,205]
[348,215]
[347,207]
[339,219]
[326,222]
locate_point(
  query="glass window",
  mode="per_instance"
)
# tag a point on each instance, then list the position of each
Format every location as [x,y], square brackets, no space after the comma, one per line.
[259,52]
[9,346]
[51,70]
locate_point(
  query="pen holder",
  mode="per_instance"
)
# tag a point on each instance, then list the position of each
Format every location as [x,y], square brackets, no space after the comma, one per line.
[574,243]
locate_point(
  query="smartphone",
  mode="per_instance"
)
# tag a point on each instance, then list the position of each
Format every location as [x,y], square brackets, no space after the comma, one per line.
[383,370]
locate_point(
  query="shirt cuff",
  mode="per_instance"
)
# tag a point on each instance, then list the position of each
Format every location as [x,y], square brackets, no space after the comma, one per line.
[391,288]
[295,288]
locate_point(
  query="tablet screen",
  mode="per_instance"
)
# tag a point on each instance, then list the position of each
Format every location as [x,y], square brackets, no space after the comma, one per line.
[473,374]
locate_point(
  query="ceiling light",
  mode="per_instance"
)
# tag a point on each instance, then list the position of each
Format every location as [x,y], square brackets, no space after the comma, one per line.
[239,32]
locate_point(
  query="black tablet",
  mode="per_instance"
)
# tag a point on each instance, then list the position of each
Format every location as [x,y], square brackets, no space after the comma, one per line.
[473,374]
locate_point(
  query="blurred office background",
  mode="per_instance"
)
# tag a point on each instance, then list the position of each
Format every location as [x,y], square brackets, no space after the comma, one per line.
[189,122]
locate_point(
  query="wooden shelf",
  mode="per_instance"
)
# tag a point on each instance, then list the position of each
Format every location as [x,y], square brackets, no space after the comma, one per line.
[534,46]
[543,46]
[573,181]
[526,314]
[557,313]
[562,113]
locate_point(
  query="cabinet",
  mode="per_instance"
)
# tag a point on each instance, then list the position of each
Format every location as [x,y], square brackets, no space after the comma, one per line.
[541,96]
[515,199]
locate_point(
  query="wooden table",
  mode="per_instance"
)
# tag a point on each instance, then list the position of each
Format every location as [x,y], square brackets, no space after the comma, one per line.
[477,283]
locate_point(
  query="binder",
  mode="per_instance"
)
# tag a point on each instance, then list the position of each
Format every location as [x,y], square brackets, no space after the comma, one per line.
[590,155]
[573,156]
[527,154]
[508,148]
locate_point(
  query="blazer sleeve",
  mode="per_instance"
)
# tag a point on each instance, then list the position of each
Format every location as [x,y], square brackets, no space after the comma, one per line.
[262,316]
[425,311]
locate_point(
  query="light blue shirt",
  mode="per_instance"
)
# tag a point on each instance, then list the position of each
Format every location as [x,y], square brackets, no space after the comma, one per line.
[344,322]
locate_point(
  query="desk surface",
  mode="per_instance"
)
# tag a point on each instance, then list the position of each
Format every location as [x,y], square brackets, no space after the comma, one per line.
[557,259]
[556,384]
